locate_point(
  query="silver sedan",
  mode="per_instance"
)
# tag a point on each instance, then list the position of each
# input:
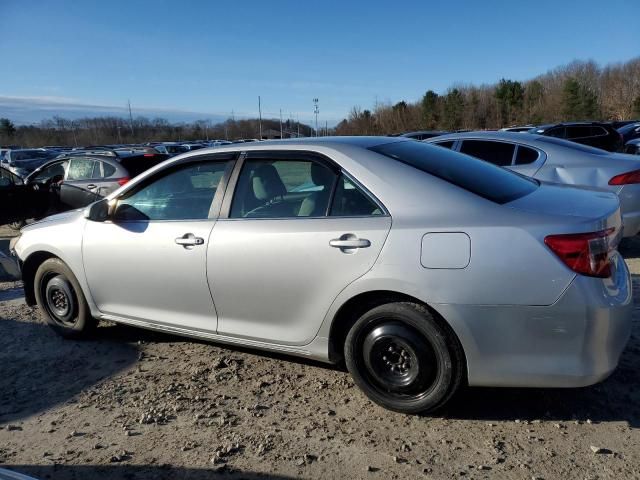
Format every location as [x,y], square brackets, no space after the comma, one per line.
[560,161]
[421,268]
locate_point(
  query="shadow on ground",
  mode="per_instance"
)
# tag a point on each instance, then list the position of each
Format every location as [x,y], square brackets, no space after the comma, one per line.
[137,472]
[39,369]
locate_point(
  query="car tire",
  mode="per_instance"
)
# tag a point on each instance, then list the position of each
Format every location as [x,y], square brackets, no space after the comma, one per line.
[403,358]
[61,300]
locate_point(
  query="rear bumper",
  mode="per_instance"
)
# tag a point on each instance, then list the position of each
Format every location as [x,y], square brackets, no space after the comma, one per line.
[575,342]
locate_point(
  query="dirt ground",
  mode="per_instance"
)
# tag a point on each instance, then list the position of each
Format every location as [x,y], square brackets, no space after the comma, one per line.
[131,404]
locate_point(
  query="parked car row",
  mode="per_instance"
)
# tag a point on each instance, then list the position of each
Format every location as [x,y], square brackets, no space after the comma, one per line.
[610,136]
[555,160]
[421,267]
[72,180]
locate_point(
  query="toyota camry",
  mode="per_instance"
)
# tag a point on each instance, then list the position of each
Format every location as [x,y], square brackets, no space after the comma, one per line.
[421,268]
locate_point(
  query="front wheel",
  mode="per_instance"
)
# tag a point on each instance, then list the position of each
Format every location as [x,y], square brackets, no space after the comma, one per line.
[61,300]
[403,359]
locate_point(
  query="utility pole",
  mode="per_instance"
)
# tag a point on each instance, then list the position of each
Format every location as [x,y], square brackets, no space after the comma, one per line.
[316,110]
[260,116]
[298,124]
[326,128]
[130,117]
[280,124]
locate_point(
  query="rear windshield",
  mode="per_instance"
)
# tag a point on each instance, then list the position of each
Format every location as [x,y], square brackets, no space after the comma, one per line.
[137,164]
[476,176]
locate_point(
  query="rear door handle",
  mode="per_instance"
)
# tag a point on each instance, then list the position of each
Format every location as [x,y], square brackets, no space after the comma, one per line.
[188,240]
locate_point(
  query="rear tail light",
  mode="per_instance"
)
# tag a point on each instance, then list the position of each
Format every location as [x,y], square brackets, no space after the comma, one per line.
[149,155]
[122,181]
[626,178]
[585,253]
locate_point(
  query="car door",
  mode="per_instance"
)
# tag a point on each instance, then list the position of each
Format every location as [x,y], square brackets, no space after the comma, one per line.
[79,188]
[148,261]
[291,239]
[16,199]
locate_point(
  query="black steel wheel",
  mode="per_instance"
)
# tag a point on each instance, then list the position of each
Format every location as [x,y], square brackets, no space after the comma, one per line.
[403,359]
[61,300]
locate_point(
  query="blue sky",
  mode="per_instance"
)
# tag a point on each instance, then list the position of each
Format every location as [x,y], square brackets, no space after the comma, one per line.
[176,58]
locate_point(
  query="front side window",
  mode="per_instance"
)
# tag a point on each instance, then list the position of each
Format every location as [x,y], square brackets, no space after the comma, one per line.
[81,169]
[184,193]
[52,173]
[498,153]
[283,188]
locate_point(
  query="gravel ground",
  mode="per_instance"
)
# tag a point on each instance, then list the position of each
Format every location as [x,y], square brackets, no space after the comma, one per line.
[131,404]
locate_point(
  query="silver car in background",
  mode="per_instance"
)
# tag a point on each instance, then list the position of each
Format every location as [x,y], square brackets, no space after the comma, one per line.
[559,161]
[421,268]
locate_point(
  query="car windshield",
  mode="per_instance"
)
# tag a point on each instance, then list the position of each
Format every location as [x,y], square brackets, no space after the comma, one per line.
[575,146]
[476,176]
[29,155]
[628,128]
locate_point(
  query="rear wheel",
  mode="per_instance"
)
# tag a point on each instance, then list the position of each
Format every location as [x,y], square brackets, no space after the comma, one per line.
[403,359]
[61,300]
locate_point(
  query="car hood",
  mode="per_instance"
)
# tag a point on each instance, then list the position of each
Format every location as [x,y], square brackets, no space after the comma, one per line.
[58,219]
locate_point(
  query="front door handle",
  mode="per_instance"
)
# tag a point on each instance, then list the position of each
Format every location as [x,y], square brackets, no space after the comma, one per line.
[91,186]
[188,240]
[357,243]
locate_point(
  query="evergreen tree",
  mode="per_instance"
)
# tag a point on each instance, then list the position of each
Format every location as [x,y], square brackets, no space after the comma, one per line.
[430,111]
[453,109]
[7,128]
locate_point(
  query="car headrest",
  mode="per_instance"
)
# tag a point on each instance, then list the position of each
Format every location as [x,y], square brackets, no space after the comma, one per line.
[321,175]
[266,183]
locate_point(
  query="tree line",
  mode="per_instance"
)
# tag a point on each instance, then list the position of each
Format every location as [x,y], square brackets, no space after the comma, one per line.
[581,90]
[59,131]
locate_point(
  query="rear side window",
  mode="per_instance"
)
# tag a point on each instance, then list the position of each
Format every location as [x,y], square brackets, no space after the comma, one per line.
[448,144]
[80,169]
[107,169]
[140,163]
[580,131]
[526,155]
[597,131]
[498,153]
[482,178]
[555,132]
[350,201]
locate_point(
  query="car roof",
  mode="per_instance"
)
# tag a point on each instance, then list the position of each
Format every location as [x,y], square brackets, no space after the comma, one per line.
[489,135]
[362,142]
[567,124]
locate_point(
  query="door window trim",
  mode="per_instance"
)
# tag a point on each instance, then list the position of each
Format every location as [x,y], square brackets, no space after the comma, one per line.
[300,155]
[214,210]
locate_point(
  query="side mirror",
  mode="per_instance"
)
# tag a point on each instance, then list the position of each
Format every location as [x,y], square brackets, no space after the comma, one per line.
[99,211]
